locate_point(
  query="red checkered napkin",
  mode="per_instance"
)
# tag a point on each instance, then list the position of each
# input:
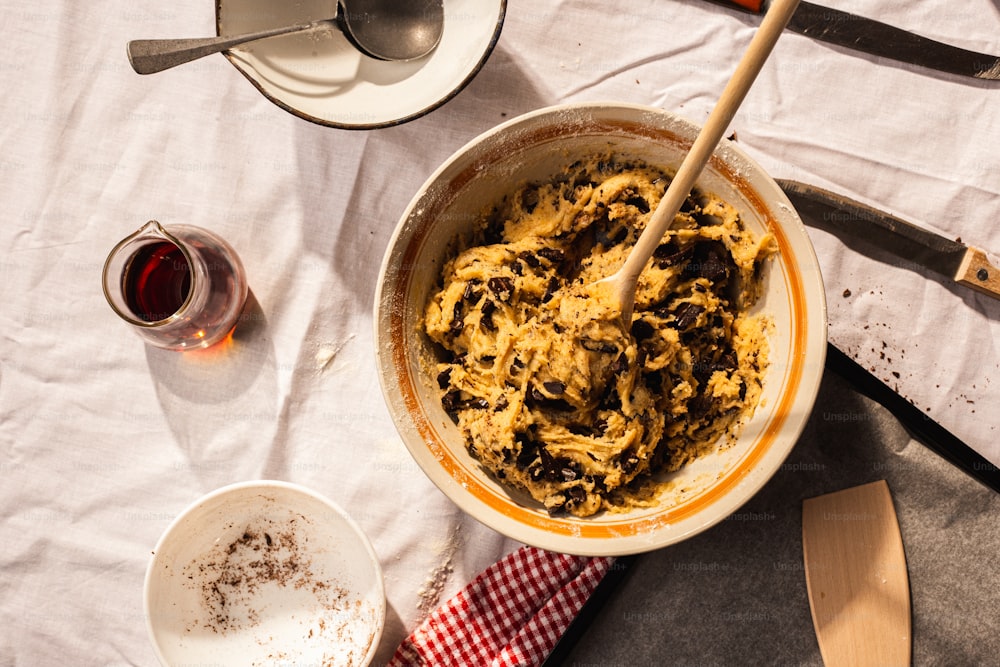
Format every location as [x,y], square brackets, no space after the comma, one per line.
[511,614]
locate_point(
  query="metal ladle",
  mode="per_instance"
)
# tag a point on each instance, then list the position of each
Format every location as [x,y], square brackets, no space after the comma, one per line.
[382,29]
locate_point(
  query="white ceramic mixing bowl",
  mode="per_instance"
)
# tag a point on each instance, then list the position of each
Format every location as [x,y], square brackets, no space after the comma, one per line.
[536,146]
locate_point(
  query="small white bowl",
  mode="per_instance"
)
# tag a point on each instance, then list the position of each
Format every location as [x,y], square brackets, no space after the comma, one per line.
[324,79]
[264,572]
[536,146]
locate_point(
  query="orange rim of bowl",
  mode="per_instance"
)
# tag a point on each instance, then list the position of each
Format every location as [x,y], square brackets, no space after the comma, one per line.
[627,526]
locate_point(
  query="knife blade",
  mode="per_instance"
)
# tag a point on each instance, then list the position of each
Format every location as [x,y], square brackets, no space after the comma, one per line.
[880,39]
[919,424]
[858,223]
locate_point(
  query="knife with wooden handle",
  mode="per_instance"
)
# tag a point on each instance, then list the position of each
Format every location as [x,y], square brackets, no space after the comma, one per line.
[858,223]
[880,39]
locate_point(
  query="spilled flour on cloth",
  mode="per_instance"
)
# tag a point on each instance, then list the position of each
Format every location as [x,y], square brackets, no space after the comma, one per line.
[328,352]
[430,592]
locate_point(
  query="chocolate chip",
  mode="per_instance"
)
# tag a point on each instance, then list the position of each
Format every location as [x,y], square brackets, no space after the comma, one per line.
[670,254]
[444,378]
[451,401]
[550,289]
[457,324]
[486,318]
[555,388]
[639,203]
[502,287]
[690,204]
[628,463]
[702,371]
[641,329]
[558,469]
[699,406]
[686,314]
[528,452]
[598,346]
[710,260]
[471,293]
[530,259]
[554,255]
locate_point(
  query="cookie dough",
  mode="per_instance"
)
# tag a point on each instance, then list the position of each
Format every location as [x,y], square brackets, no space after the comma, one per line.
[552,394]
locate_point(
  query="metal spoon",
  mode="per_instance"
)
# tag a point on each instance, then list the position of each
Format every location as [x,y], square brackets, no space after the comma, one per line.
[620,286]
[382,29]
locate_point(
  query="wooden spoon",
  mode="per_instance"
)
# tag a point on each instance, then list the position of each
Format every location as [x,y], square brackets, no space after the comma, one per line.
[855,568]
[620,287]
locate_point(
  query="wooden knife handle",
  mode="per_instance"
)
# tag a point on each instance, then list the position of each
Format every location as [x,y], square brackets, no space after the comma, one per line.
[755,6]
[977,272]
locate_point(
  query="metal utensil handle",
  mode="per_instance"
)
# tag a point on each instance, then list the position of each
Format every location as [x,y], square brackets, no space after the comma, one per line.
[148,56]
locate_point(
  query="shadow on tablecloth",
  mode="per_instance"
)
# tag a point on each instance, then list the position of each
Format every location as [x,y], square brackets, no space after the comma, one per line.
[736,594]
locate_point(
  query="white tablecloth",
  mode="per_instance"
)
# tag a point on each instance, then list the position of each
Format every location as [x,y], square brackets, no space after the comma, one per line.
[104,440]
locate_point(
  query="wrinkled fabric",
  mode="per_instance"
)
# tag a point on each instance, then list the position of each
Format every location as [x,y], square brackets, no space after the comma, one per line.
[104,441]
[510,615]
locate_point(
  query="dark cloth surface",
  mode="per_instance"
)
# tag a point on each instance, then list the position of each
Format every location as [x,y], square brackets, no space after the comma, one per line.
[736,593]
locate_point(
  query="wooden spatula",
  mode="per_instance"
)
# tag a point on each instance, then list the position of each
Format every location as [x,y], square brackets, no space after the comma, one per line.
[855,568]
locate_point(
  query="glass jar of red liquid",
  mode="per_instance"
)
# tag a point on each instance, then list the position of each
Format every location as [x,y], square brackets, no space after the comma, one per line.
[180,287]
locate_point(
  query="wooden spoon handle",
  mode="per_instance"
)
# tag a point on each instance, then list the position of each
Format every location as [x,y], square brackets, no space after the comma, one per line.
[778,14]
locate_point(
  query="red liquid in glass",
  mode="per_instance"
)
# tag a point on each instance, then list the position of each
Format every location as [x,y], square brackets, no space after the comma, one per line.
[157,281]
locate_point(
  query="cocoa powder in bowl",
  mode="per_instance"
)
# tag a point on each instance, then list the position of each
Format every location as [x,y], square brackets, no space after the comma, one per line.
[264,571]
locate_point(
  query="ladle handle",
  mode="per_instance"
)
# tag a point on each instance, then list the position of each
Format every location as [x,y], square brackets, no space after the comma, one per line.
[148,56]
[773,23]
